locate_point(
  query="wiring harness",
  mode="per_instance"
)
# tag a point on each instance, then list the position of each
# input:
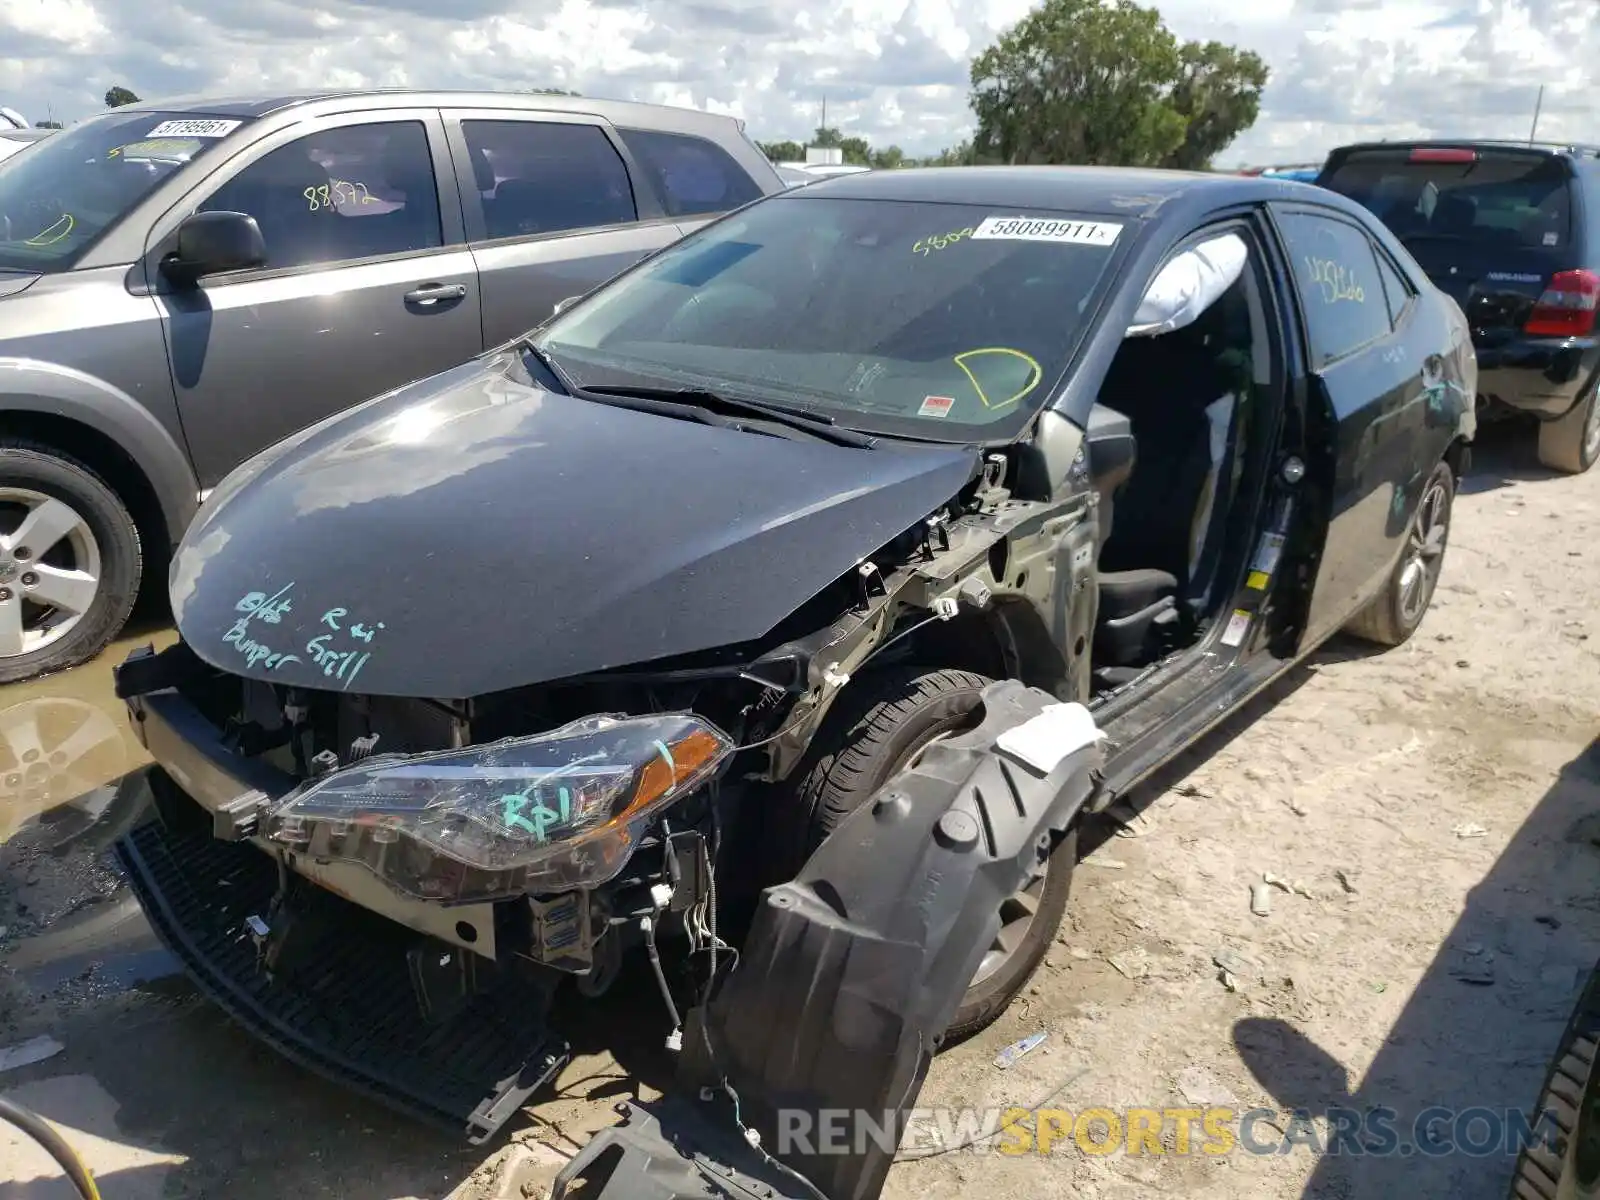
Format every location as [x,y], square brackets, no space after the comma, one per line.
[41,1131]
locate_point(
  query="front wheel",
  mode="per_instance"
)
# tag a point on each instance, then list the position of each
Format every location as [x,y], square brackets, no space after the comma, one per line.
[1573,443]
[876,728]
[69,562]
[1395,613]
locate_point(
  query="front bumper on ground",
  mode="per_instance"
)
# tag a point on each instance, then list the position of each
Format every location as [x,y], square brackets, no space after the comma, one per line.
[325,981]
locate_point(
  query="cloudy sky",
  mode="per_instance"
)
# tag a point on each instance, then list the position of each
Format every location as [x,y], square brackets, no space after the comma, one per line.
[891,70]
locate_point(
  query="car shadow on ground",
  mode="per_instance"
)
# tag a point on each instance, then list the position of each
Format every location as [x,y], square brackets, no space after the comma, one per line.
[1505,453]
[1098,829]
[1469,1051]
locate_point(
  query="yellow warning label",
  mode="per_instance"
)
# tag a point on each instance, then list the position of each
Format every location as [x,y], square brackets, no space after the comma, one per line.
[1258,581]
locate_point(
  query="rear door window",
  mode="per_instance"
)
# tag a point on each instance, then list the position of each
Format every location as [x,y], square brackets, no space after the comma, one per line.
[1395,288]
[1496,198]
[542,177]
[1336,276]
[349,192]
[692,176]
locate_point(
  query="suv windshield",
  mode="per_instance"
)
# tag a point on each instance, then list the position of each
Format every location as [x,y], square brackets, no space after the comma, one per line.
[1498,198]
[67,190]
[940,321]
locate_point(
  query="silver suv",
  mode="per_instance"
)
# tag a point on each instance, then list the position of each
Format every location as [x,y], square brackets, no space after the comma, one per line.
[184,284]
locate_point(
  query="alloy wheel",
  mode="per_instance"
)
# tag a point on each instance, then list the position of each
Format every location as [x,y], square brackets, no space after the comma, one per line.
[49,570]
[1424,553]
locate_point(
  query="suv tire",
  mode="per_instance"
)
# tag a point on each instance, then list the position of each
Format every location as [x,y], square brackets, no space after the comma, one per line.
[1564,1161]
[1394,614]
[30,468]
[878,724]
[1572,443]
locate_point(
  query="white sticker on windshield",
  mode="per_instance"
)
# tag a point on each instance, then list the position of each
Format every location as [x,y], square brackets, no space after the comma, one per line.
[1037,229]
[205,128]
[1552,239]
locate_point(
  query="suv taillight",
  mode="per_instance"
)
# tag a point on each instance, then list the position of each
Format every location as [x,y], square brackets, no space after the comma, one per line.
[1567,308]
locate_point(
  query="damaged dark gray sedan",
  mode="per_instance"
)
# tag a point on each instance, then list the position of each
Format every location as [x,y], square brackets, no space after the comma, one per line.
[558,662]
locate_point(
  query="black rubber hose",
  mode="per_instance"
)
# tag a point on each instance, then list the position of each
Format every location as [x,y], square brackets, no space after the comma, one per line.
[41,1131]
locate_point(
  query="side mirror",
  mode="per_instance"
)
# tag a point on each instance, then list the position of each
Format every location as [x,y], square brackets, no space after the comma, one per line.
[212,242]
[562,304]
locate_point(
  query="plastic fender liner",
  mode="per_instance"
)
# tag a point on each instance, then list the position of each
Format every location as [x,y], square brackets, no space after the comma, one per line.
[853,970]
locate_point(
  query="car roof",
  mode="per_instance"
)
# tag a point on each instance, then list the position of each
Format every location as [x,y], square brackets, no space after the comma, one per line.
[368,99]
[24,135]
[1109,191]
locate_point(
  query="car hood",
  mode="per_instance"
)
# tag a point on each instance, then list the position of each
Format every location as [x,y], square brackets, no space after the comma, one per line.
[14,283]
[472,532]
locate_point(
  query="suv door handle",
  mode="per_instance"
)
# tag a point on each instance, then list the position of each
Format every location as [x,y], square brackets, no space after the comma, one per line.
[432,293]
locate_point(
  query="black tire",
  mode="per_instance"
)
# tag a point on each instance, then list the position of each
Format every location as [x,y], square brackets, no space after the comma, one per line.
[40,468]
[874,728]
[1567,1167]
[1569,444]
[1386,620]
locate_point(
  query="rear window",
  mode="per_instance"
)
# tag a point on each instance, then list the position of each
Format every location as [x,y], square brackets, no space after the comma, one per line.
[692,176]
[1500,198]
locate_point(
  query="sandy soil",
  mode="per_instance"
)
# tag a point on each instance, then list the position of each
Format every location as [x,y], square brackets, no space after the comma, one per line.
[1411,966]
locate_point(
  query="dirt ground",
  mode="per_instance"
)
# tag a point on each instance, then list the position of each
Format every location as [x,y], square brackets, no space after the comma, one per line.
[1432,811]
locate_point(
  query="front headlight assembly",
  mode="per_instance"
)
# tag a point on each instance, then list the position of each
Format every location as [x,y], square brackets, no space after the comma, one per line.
[546,813]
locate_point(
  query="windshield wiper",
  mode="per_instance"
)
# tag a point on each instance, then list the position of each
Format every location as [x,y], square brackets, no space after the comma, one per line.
[542,356]
[816,424]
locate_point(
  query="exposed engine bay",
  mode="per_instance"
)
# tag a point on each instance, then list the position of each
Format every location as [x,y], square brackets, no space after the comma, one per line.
[546,833]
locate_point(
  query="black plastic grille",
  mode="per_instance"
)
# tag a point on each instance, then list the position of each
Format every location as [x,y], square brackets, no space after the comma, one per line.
[341,1001]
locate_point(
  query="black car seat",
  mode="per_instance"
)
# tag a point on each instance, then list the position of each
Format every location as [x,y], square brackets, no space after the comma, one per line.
[1453,215]
[1163,384]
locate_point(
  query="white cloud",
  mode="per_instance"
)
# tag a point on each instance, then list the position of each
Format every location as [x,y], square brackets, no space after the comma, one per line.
[890,70]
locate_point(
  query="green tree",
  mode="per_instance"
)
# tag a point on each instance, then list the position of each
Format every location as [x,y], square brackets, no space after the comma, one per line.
[1218,94]
[553,92]
[1105,82]
[782,151]
[888,158]
[47,125]
[118,96]
[827,138]
[962,155]
[856,151]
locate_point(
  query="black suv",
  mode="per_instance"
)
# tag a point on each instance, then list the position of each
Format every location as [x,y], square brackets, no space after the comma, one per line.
[1512,232]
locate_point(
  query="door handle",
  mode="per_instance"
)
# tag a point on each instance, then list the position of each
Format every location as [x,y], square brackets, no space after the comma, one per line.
[432,293]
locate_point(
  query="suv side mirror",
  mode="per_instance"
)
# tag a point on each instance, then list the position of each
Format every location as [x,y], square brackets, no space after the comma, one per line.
[212,242]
